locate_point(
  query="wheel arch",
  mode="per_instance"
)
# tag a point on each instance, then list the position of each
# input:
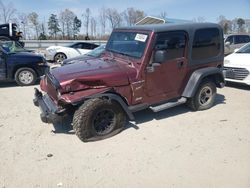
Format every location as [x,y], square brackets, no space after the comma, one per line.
[115,97]
[211,73]
[60,52]
[16,68]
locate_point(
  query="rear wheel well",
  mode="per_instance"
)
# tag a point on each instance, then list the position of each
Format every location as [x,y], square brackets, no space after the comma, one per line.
[216,78]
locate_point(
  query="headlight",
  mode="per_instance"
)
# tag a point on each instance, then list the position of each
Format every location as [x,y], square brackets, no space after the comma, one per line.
[226,61]
[58,94]
[51,50]
[40,63]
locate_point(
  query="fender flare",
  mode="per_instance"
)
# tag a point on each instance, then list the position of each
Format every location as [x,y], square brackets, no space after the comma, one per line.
[116,98]
[197,76]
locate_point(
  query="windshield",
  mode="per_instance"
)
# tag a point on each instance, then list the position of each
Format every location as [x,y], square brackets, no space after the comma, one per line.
[97,51]
[127,43]
[11,47]
[244,49]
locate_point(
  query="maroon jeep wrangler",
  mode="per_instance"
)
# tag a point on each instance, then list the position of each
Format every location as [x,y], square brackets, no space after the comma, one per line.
[154,66]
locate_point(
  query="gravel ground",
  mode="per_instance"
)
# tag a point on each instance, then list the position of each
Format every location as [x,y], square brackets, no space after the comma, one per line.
[175,148]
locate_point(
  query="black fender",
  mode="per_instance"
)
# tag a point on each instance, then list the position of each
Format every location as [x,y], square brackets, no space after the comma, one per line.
[213,73]
[118,99]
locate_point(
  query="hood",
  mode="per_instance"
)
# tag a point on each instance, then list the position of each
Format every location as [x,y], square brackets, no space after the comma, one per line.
[57,47]
[77,59]
[25,55]
[94,73]
[237,60]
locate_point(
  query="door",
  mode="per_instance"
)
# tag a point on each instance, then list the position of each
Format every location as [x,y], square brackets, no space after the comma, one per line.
[2,66]
[165,78]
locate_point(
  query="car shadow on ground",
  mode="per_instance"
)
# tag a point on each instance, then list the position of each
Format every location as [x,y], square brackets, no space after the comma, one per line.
[148,115]
[238,86]
[64,126]
[8,84]
[13,84]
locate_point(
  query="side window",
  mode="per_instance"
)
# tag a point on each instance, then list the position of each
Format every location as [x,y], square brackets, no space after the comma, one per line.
[242,39]
[206,44]
[230,39]
[86,46]
[173,42]
[247,39]
[93,46]
[77,46]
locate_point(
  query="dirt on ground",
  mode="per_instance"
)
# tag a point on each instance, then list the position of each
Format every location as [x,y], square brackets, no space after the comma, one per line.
[175,148]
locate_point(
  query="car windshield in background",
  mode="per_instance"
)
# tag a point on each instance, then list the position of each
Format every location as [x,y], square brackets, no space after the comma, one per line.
[11,47]
[97,51]
[127,43]
[244,49]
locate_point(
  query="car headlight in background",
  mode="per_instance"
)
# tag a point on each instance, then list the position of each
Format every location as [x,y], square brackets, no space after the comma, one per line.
[51,50]
[226,61]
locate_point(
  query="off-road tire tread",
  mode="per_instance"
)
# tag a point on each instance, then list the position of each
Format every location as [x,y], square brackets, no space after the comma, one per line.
[82,115]
[193,103]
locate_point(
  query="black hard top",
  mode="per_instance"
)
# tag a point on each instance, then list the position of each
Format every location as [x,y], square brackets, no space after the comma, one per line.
[171,27]
[6,25]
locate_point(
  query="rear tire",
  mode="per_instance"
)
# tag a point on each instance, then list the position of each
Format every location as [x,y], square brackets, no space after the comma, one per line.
[25,76]
[98,119]
[204,97]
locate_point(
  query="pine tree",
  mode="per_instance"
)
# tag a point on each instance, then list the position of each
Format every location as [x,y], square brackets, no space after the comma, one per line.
[76,26]
[53,25]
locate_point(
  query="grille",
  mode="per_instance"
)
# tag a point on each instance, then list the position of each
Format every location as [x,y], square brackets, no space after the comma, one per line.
[51,90]
[236,73]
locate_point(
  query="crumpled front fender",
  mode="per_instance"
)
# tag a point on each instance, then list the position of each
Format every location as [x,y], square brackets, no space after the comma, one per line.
[78,96]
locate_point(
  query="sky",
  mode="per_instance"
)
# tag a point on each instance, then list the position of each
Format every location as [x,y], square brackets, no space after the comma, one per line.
[210,10]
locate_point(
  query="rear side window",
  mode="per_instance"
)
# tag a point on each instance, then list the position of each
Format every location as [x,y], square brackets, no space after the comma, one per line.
[173,42]
[242,39]
[206,44]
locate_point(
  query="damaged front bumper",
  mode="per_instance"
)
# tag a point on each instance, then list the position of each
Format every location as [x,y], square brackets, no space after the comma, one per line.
[50,112]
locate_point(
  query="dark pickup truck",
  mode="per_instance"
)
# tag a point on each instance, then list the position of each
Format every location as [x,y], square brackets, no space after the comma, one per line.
[8,32]
[20,65]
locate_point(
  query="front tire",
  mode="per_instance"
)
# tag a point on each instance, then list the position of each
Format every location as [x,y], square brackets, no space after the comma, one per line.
[25,76]
[204,97]
[98,119]
[59,57]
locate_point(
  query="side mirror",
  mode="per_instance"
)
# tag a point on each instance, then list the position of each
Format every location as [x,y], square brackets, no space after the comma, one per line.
[227,44]
[160,56]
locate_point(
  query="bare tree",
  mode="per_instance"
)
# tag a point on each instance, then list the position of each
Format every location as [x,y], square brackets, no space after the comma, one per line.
[66,19]
[62,22]
[23,18]
[7,12]
[224,23]
[33,18]
[93,24]
[86,19]
[103,20]
[199,19]
[132,16]
[114,17]
[163,15]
